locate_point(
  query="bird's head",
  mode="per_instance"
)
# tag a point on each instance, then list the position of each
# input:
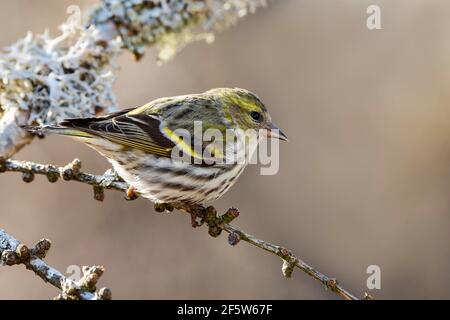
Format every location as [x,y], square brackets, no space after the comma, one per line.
[247,111]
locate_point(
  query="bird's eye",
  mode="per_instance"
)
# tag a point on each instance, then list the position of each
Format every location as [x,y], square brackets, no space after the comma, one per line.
[255,116]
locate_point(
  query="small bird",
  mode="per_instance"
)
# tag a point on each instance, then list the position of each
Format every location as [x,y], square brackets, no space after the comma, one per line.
[140,143]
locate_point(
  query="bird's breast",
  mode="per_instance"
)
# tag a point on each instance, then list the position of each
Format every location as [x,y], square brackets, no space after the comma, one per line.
[164,180]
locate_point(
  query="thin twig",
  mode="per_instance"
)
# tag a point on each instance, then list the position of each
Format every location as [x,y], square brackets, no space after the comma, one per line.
[290,261]
[12,252]
[206,215]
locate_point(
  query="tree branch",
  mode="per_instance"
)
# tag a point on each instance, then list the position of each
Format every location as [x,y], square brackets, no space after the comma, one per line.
[200,215]
[12,252]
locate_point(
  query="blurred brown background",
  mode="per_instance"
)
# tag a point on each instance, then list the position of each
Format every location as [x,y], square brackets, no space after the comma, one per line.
[364,180]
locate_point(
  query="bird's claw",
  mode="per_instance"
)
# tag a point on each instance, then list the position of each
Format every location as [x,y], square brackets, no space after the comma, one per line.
[163,207]
[194,222]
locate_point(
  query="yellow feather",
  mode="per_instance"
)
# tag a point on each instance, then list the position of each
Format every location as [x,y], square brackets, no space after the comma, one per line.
[181,143]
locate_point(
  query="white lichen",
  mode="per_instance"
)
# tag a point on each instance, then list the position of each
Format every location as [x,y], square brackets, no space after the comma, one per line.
[170,24]
[7,242]
[57,78]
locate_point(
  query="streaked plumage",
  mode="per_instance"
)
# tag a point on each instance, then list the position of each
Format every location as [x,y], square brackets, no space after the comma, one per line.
[139,142]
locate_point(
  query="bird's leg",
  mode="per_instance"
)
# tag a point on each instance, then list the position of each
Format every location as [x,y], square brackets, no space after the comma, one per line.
[209,216]
[216,223]
[131,194]
[194,222]
[163,207]
[196,211]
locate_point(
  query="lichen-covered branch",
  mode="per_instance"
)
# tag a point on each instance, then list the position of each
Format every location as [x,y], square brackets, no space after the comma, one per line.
[44,80]
[170,25]
[199,214]
[12,252]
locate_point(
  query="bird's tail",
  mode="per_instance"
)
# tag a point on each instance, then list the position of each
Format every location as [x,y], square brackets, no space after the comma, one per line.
[57,129]
[74,127]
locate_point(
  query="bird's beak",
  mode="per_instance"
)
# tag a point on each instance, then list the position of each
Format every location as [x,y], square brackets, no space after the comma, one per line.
[276,133]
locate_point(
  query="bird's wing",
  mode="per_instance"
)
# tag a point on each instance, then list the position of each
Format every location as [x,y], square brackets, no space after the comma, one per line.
[139,131]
